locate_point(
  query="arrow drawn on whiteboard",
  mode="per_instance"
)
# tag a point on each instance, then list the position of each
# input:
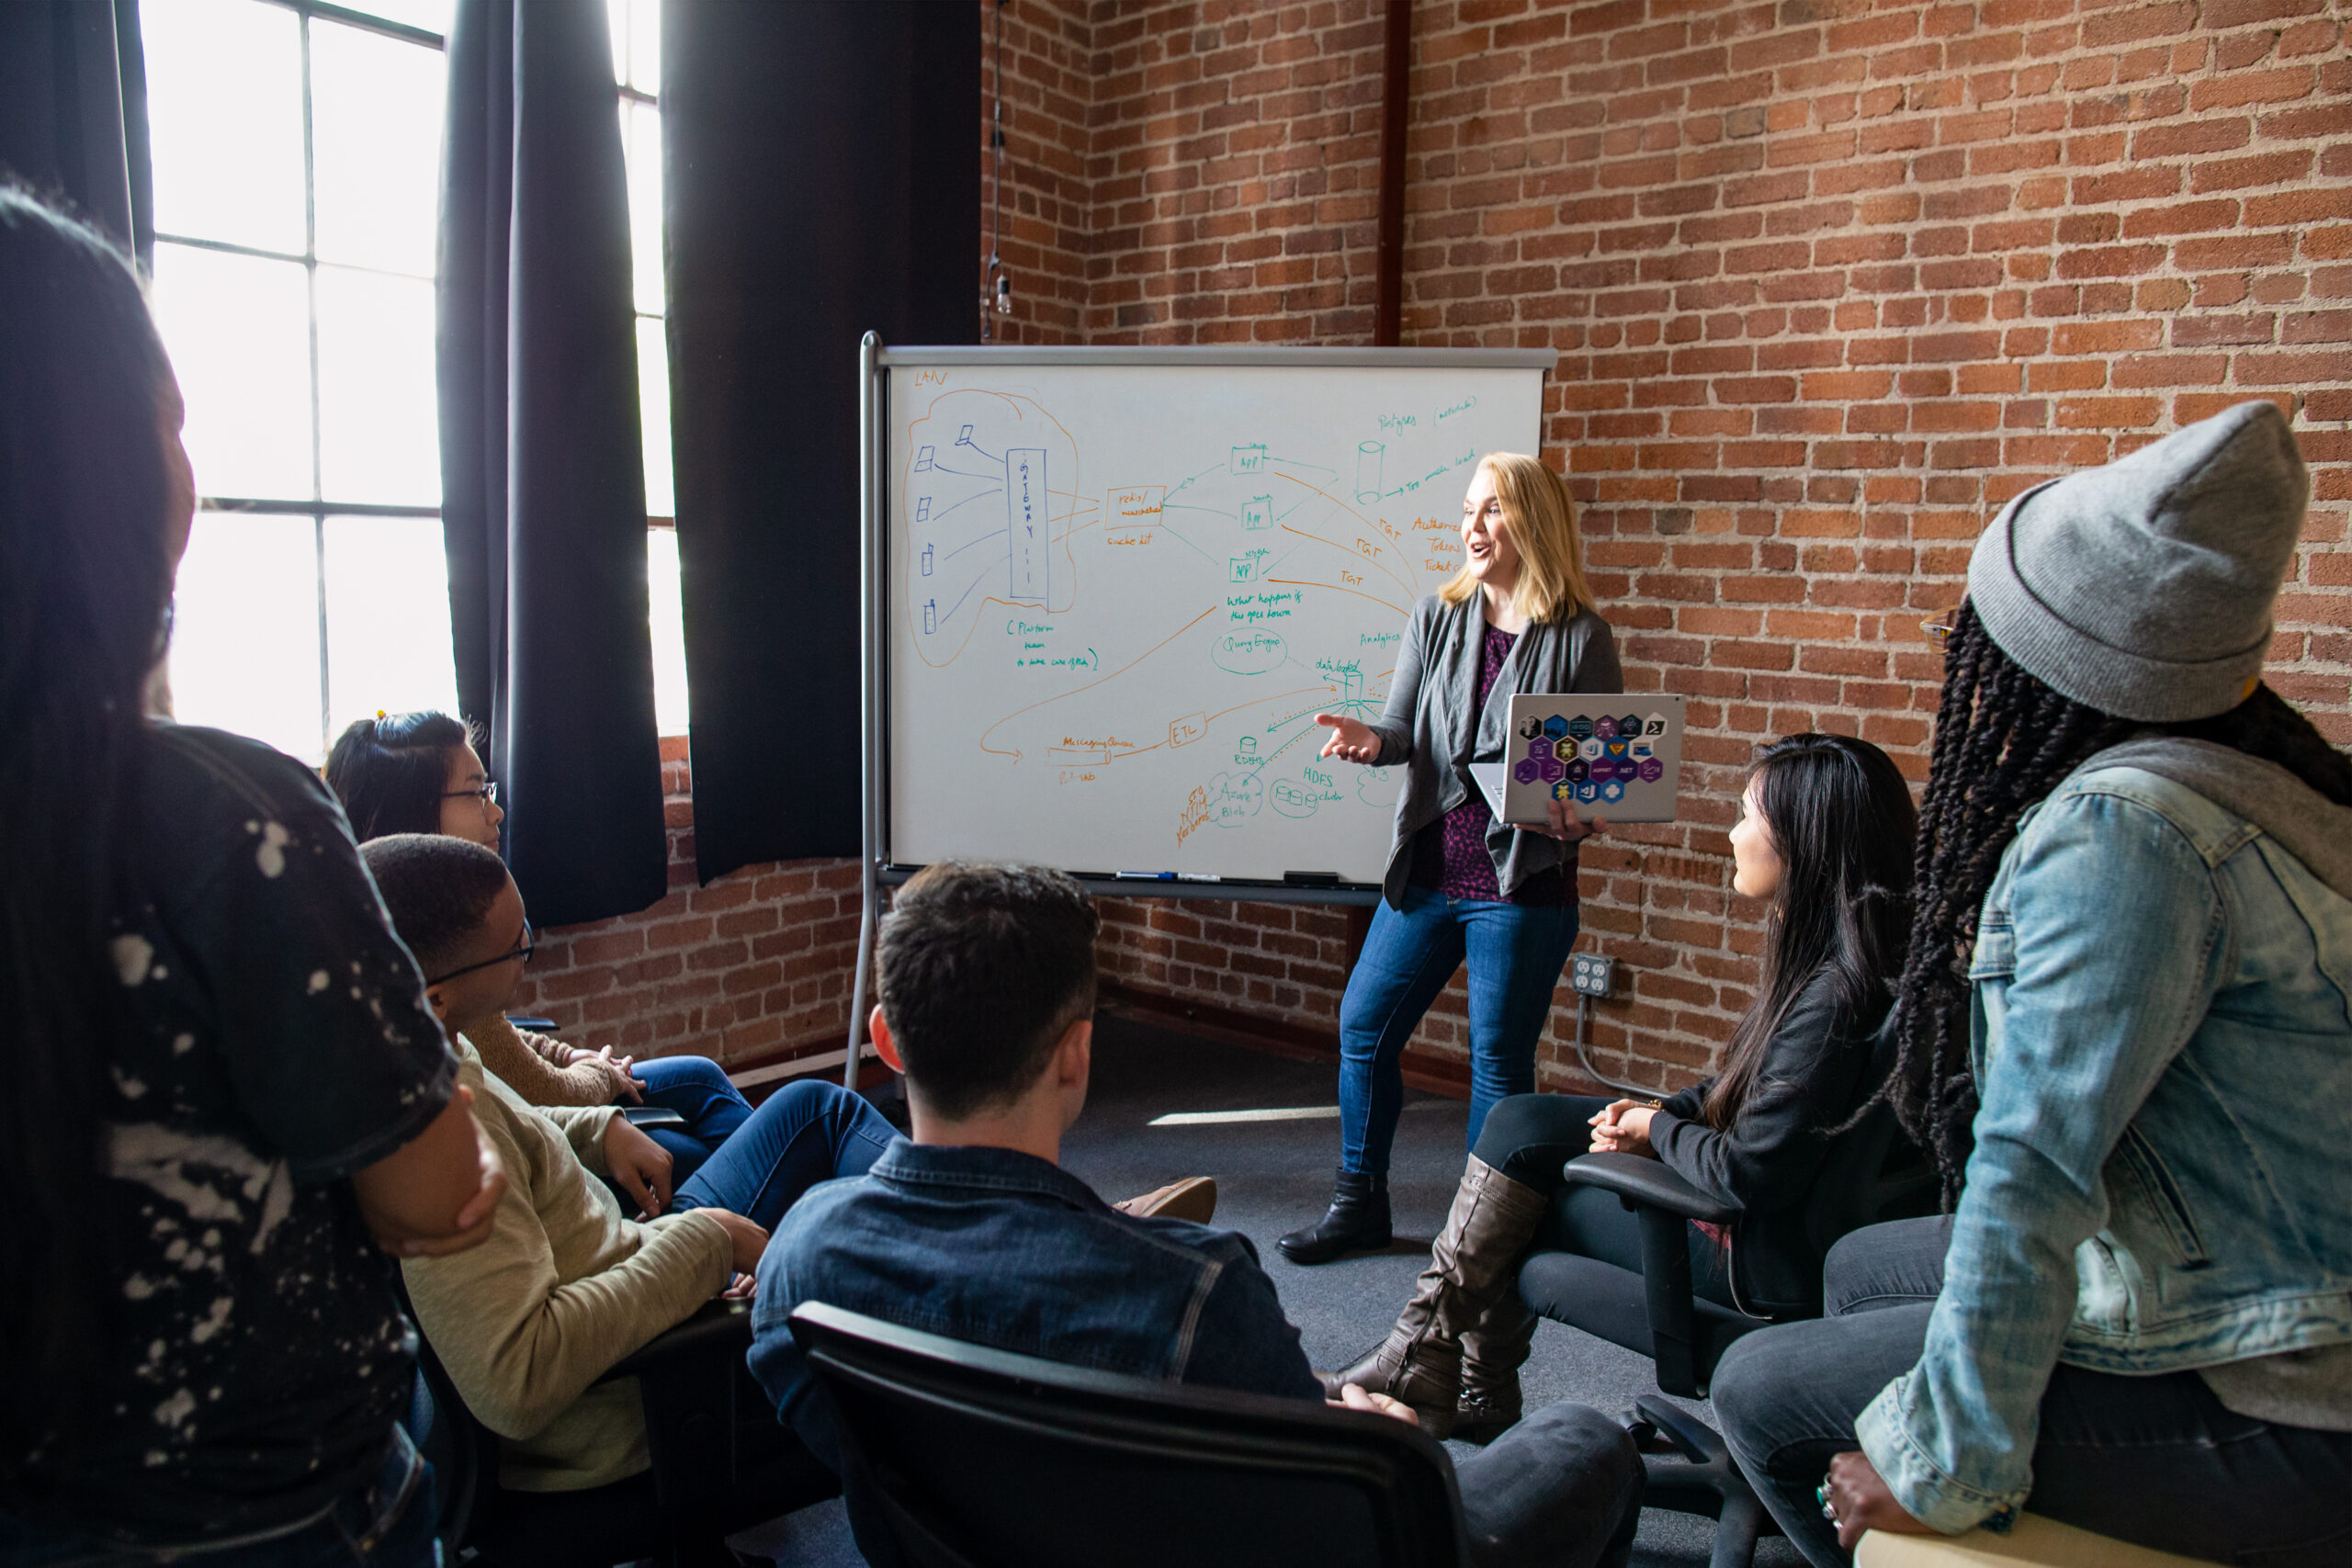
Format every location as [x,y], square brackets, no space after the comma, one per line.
[1074,691]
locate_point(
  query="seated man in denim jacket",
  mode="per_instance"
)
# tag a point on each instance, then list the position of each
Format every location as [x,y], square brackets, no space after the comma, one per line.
[972,1230]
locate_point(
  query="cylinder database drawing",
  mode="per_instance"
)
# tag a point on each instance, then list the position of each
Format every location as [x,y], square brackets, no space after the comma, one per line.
[1368,457]
[1028,523]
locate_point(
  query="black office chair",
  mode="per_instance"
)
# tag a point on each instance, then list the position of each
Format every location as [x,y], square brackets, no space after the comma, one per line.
[955,1456]
[1869,1175]
[721,1461]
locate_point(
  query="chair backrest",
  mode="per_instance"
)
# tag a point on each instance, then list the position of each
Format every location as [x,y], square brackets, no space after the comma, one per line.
[463,1452]
[955,1455]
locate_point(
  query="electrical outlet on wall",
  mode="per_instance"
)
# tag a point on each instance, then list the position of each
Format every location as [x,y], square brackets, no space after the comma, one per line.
[1592,974]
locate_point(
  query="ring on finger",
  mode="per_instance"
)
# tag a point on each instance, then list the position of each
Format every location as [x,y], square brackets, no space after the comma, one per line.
[1829,1508]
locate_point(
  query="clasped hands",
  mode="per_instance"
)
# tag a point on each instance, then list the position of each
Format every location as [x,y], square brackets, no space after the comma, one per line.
[1351,741]
[1623,1127]
[616,1070]
[641,1167]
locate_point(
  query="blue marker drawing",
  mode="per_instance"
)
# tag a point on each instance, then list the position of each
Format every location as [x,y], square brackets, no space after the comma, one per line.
[1027,523]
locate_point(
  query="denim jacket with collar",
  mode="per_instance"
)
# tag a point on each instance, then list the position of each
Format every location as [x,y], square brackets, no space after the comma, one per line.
[2163,1048]
[1000,1248]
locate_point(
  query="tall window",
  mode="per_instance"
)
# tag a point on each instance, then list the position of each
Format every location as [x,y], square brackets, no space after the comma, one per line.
[296,153]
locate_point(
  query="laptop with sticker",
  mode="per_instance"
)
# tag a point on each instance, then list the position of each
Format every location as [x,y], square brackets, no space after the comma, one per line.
[1606,754]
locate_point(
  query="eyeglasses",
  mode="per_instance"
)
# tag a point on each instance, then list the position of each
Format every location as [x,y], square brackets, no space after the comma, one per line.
[1937,628]
[530,946]
[485,792]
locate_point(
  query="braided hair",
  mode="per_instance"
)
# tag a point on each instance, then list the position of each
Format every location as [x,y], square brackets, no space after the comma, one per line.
[2004,740]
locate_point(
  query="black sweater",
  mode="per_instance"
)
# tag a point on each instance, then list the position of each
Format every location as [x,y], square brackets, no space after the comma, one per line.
[1816,1069]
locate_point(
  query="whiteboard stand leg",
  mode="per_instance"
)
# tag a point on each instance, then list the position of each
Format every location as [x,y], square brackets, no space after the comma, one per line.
[857,991]
[869,659]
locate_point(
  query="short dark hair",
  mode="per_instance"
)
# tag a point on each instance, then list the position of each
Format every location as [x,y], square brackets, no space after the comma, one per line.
[438,890]
[981,969]
[389,772]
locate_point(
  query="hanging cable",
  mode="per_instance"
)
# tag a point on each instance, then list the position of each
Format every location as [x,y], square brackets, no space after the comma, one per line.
[996,279]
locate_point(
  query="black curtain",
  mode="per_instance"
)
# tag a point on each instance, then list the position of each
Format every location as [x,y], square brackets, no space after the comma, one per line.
[542,469]
[74,112]
[821,171]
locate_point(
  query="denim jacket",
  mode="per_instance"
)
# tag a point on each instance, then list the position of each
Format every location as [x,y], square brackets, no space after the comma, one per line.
[2164,1056]
[1000,1248]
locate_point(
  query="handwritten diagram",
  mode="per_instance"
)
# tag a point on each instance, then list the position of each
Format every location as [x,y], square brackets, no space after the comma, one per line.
[1119,595]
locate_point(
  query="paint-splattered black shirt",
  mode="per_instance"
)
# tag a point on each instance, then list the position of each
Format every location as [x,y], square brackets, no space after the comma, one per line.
[278,1041]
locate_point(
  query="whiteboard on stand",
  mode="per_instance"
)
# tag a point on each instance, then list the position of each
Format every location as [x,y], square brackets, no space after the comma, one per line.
[1118,586]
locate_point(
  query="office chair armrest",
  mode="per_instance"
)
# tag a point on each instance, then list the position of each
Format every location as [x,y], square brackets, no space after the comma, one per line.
[691,1381]
[719,1332]
[1640,1181]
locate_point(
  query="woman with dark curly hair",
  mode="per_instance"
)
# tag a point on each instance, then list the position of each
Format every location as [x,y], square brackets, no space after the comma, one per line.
[2125,1033]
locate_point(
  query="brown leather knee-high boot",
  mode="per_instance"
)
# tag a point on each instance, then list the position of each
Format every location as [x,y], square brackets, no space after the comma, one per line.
[1492,1353]
[1476,1259]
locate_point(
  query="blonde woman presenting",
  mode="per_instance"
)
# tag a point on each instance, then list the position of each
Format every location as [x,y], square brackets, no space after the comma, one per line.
[1518,619]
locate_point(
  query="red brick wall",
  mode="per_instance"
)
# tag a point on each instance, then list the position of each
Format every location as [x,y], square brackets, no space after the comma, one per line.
[1040,226]
[1829,281]
[1236,172]
[753,968]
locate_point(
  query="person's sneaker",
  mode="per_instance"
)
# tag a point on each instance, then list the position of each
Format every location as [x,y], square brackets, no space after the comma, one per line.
[1193,1199]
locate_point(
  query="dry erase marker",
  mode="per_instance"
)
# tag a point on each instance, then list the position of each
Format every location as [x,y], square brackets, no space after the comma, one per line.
[1145,875]
[1197,876]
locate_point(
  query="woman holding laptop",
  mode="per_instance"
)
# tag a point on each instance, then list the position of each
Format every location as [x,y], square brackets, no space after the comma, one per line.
[1518,619]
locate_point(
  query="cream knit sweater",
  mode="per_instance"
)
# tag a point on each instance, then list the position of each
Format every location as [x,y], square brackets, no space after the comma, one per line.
[563,1288]
[527,1064]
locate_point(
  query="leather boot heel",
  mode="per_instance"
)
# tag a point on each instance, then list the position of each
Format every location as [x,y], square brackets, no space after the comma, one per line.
[1357,1221]
[1492,1353]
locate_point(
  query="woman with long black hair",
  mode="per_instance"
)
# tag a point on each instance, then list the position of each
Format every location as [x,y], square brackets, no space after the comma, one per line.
[2125,1033]
[227,1100]
[1824,838]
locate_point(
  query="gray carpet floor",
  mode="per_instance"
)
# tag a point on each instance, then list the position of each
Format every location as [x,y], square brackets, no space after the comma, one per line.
[1273,1176]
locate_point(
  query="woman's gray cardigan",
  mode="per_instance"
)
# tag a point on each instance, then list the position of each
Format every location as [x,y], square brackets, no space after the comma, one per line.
[1428,728]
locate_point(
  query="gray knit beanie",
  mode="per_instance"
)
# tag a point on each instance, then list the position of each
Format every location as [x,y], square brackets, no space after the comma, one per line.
[2143,589]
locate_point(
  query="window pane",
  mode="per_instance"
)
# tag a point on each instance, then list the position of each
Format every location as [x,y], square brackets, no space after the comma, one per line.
[653,405]
[637,42]
[388,619]
[641,143]
[238,333]
[376,137]
[224,112]
[433,16]
[669,623]
[246,631]
[379,432]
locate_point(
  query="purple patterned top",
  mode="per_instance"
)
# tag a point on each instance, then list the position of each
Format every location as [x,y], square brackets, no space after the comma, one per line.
[1451,853]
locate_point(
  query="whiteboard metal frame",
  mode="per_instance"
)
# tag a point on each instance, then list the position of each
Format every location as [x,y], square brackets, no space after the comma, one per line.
[873,358]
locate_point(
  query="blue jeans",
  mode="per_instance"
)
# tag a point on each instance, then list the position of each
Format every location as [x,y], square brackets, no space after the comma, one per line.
[1515,951]
[803,1134]
[387,1522]
[2155,1459]
[698,1090]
